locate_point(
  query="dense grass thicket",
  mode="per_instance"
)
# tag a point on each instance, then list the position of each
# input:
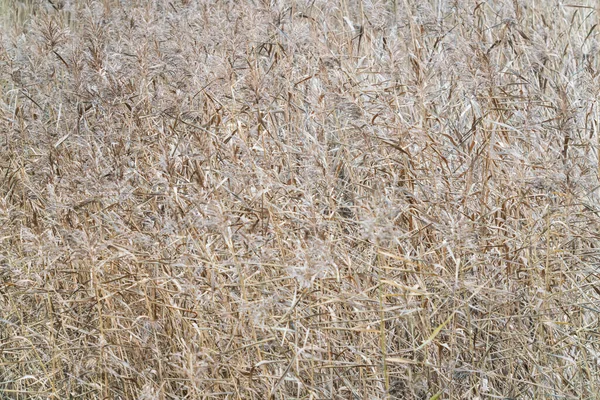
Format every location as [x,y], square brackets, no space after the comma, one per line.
[309,199]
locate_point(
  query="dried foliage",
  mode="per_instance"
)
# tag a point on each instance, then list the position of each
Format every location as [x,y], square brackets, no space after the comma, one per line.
[299,199]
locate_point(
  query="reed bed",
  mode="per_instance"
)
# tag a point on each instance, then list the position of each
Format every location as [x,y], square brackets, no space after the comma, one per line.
[299,199]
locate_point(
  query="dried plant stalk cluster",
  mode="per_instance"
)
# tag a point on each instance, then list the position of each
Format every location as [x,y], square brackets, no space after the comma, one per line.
[299,199]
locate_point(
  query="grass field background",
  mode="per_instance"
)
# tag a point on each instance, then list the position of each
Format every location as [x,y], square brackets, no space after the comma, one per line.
[299,199]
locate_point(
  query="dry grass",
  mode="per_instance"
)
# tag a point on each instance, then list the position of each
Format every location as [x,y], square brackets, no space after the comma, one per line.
[311,200]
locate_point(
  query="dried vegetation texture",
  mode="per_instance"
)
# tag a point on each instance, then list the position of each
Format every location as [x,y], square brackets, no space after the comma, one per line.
[299,199]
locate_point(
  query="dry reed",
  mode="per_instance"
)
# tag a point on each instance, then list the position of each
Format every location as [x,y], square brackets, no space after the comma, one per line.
[299,199]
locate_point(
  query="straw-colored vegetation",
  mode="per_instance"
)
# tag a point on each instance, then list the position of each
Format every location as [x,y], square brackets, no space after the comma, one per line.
[299,199]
